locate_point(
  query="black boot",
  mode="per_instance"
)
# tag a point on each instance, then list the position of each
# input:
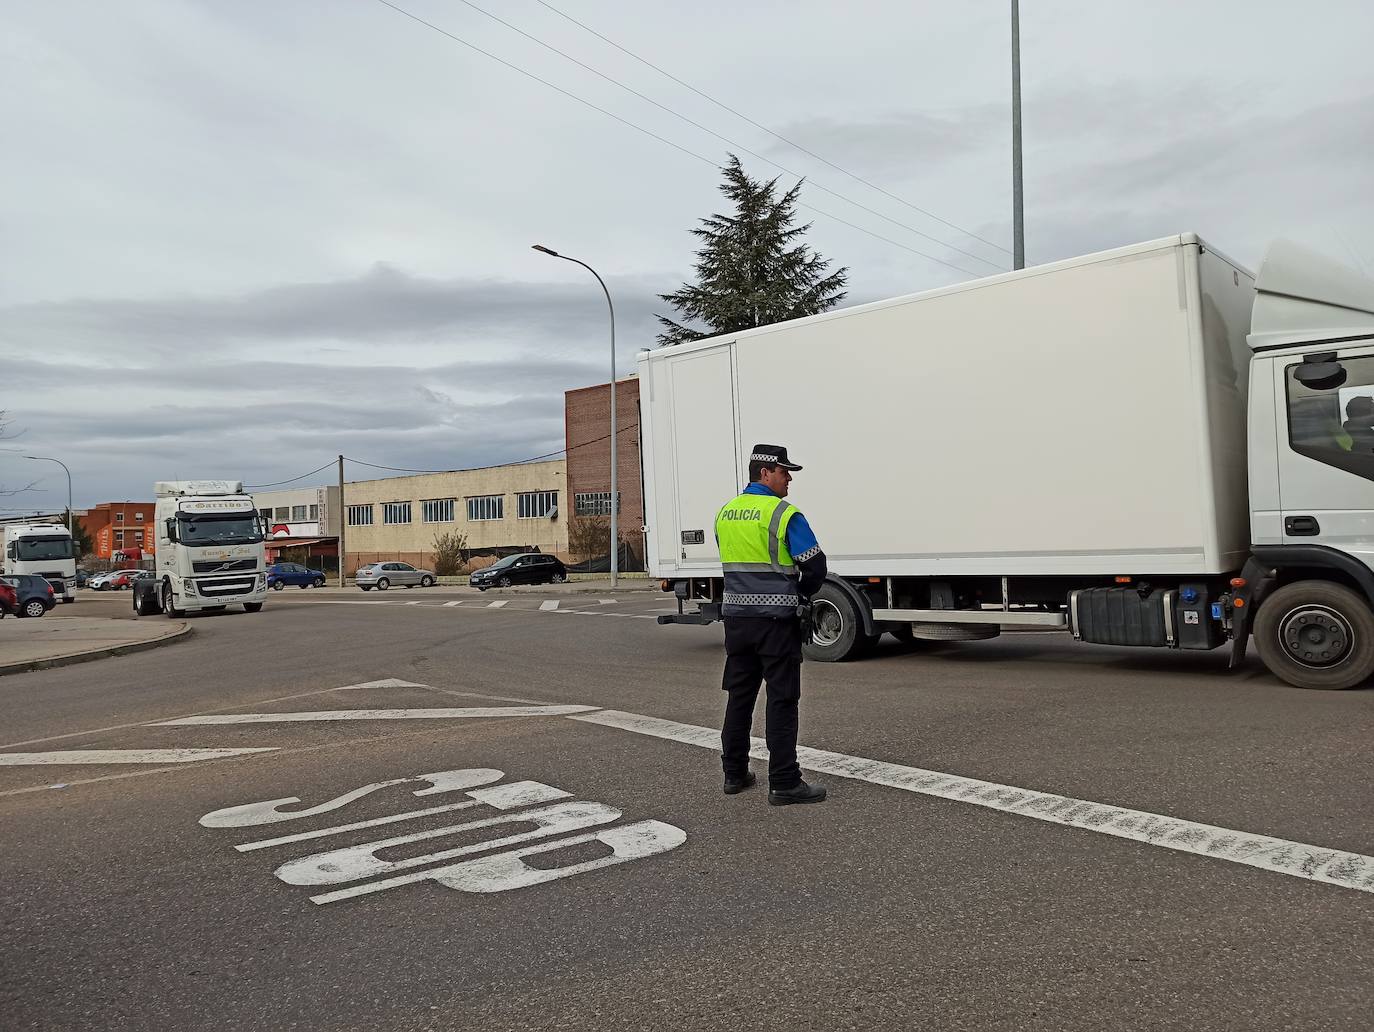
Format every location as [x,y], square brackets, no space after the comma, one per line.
[800,793]
[733,786]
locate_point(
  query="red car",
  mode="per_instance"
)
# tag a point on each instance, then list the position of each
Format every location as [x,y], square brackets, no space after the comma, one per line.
[9,600]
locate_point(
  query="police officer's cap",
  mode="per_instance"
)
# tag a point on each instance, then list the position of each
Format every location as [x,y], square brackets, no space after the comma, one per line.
[772,455]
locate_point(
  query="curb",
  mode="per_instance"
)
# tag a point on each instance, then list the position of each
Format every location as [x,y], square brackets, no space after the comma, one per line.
[90,654]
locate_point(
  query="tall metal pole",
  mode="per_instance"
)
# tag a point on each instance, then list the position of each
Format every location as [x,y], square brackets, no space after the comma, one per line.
[615,492]
[48,458]
[1018,223]
[343,522]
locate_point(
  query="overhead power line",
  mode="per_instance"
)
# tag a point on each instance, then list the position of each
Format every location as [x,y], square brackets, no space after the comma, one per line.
[661,139]
[280,483]
[771,132]
[724,139]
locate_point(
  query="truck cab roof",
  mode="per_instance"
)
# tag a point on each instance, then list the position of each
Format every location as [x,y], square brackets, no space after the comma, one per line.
[1302,297]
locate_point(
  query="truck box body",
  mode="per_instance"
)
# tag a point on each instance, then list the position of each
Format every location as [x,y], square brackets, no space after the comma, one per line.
[1082,418]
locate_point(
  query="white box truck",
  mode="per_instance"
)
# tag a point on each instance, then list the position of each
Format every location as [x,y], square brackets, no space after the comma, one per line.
[45,550]
[1147,446]
[209,550]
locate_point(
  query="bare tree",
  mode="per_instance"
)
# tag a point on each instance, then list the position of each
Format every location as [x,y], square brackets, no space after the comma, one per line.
[6,420]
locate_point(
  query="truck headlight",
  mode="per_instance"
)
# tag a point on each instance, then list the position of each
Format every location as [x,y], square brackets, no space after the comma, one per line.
[262,582]
[188,587]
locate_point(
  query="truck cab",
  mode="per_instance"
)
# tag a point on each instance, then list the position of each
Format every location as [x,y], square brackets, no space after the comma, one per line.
[44,550]
[210,551]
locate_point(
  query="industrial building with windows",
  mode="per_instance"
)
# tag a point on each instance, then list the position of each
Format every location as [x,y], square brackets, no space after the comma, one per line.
[499,510]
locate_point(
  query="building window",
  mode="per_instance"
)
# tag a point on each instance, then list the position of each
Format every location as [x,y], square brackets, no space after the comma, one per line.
[594,503]
[266,514]
[298,513]
[138,537]
[360,515]
[314,512]
[119,517]
[439,510]
[487,507]
[395,512]
[138,516]
[535,505]
[119,536]
[283,513]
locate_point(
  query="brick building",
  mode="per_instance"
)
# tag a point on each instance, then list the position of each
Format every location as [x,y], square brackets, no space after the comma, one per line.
[114,526]
[587,418]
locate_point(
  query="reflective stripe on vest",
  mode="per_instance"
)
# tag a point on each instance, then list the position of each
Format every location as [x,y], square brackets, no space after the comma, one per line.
[760,575]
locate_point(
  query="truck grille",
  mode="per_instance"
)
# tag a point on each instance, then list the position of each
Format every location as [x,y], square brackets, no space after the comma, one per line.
[229,586]
[210,566]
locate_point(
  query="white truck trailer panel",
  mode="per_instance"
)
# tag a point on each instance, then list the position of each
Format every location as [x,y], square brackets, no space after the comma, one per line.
[1085,417]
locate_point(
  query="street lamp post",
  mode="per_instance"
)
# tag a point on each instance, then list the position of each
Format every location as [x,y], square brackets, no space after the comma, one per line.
[615,494]
[48,458]
[1018,215]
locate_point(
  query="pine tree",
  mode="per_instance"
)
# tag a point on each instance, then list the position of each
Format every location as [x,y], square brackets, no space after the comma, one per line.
[751,269]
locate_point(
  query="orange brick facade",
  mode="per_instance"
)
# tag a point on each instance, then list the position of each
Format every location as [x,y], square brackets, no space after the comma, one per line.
[113,526]
[587,424]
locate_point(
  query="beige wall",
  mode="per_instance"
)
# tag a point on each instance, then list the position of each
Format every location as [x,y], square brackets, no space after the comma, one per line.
[509,532]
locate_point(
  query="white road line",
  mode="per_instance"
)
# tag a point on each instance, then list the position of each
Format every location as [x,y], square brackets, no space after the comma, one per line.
[1313,863]
[412,603]
[498,605]
[375,714]
[386,682]
[608,601]
[450,605]
[120,756]
[549,605]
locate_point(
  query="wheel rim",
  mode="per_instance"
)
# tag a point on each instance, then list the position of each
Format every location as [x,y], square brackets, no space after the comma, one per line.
[504,582]
[827,623]
[166,598]
[1315,636]
[34,609]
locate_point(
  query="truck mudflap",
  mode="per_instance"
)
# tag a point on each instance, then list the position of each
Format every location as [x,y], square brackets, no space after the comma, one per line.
[707,613]
[1259,580]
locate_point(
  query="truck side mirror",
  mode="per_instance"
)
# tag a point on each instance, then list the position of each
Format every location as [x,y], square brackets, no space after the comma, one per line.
[1320,372]
[171,524]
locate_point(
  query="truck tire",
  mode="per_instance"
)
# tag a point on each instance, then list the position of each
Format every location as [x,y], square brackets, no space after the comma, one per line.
[252,607]
[169,600]
[1316,634]
[836,628]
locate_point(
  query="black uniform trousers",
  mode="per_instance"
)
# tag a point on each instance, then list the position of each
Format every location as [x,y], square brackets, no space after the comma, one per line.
[757,649]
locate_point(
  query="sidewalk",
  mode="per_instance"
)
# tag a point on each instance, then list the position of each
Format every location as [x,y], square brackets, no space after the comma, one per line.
[49,642]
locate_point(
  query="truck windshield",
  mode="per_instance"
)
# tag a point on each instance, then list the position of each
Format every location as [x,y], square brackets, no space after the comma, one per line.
[44,548]
[220,529]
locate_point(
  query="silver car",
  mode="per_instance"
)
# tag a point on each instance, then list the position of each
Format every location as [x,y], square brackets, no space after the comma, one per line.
[383,575]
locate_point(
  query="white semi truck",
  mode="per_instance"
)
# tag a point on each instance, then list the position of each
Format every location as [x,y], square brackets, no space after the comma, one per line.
[45,550]
[209,550]
[1147,446]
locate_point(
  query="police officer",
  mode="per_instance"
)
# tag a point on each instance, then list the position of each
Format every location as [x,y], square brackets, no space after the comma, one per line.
[772,564]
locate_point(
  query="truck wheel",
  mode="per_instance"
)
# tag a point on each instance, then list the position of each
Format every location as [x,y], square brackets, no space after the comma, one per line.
[1316,634]
[168,600]
[252,607]
[836,628]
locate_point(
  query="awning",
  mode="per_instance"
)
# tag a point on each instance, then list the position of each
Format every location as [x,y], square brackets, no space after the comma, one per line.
[296,542]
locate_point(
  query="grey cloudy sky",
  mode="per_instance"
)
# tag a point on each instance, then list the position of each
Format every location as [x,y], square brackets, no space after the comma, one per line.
[243,237]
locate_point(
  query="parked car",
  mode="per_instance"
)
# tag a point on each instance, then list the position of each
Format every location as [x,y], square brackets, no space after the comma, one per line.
[104,581]
[82,576]
[383,575]
[123,580]
[280,575]
[9,600]
[34,595]
[525,568]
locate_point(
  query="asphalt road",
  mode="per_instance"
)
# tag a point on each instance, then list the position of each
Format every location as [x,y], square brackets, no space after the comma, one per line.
[127,905]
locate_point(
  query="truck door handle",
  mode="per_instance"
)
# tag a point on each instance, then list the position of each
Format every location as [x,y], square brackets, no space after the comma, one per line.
[1301,526]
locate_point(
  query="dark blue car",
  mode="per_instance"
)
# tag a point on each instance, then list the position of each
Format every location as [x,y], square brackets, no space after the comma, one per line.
[282,574]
